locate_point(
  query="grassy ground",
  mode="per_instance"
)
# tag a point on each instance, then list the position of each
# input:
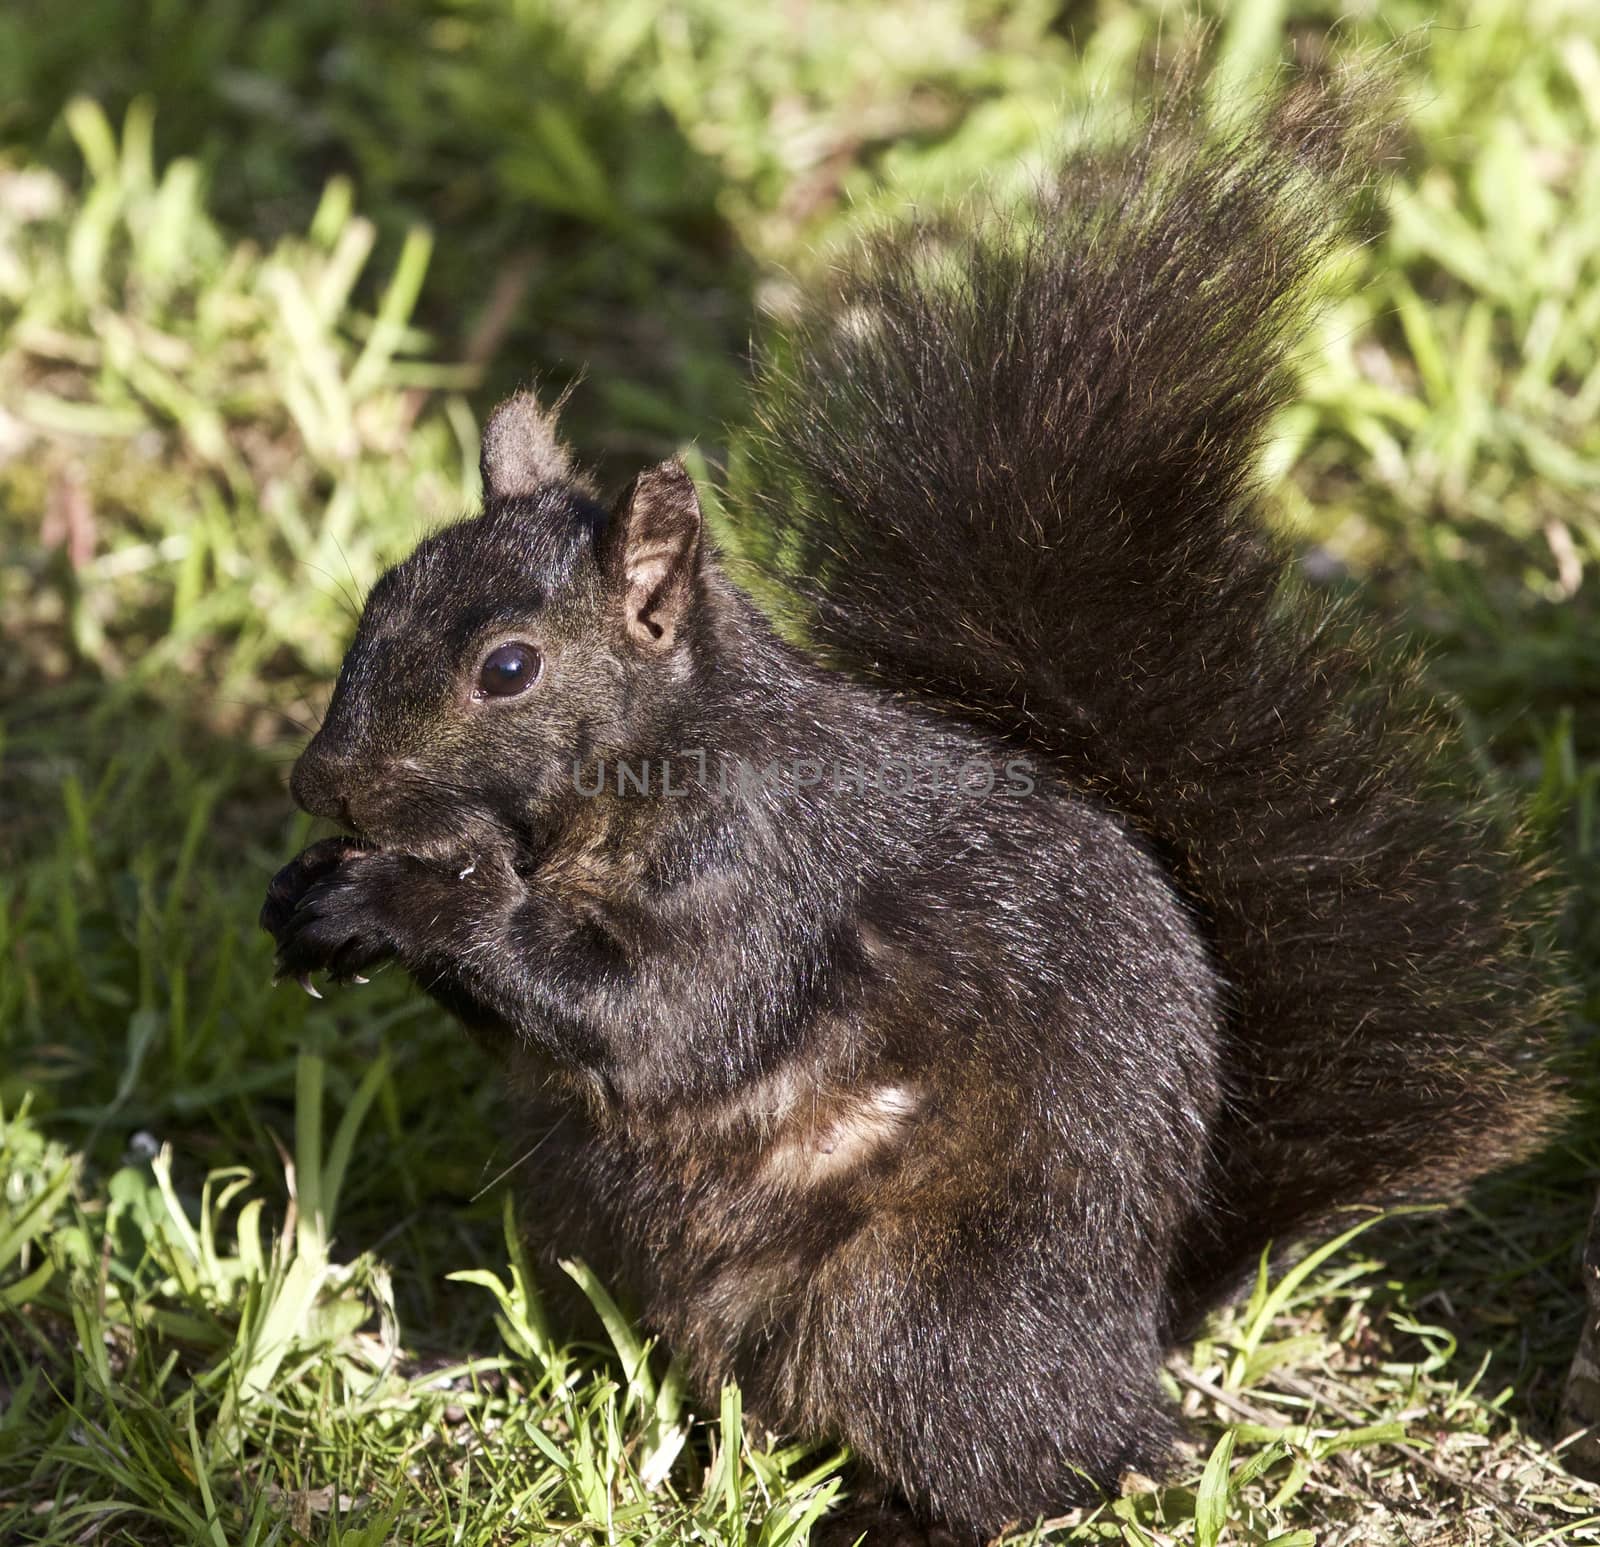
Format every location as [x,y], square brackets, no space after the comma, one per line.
[259,273]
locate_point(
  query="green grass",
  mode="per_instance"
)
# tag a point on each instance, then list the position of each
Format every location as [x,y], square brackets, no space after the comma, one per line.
[258,281]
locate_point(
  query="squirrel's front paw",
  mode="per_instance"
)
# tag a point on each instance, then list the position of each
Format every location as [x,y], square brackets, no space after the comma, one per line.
[323,910]
[296,878]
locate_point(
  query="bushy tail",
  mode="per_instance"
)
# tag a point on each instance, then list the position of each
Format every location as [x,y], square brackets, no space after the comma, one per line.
[1009,468]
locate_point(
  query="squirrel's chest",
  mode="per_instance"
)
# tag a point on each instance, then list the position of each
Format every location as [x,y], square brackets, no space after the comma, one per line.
[722,1222]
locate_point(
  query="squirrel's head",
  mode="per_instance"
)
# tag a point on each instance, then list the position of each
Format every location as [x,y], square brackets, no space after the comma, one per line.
[546,632]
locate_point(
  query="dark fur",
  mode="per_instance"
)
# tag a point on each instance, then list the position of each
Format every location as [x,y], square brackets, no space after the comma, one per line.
[929,1115]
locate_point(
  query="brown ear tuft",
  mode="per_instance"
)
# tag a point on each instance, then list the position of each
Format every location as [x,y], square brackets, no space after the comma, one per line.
[651,553]
[520,449]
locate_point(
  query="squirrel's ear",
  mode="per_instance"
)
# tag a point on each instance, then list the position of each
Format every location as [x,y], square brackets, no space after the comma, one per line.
[520,450]
[650,551]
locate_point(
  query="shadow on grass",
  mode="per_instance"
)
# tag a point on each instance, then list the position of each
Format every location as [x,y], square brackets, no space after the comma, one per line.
[1497,1278]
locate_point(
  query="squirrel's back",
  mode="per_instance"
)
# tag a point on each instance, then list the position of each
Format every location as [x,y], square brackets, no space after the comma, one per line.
[1010,469]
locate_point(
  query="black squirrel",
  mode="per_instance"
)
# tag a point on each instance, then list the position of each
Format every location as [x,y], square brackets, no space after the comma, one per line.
[926,1025]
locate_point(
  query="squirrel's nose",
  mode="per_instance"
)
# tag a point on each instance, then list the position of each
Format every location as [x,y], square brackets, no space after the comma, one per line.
[320,784]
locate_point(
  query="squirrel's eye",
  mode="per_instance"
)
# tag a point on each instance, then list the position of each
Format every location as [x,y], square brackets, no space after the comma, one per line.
[508,670]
